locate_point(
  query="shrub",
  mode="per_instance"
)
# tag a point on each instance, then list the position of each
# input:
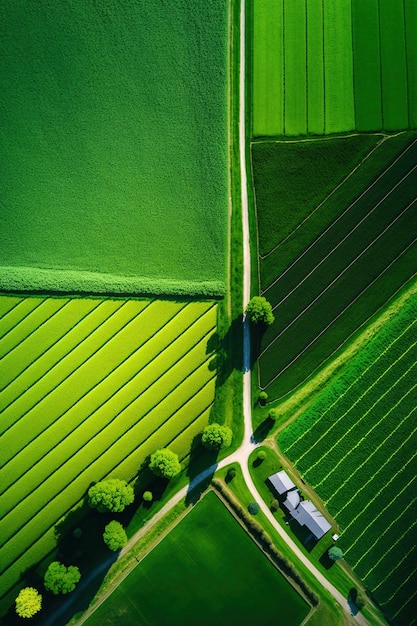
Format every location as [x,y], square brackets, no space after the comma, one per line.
[253,508]
[28,602]
[262,398]
[76,533]
[273,415]
[114,536]
[61,579]
[164,463]
[274,506]
[147,496]
[110,495]
[216,437]
[261,456]
[260,310]
[335,553]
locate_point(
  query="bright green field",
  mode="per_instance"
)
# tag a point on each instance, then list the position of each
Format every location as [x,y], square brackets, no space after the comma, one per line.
[207,571]
[341,251]
[113,133]
[323,67]
[356,445]
[89,388]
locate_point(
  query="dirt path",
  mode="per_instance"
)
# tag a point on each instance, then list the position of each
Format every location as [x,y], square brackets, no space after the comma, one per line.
[241,455]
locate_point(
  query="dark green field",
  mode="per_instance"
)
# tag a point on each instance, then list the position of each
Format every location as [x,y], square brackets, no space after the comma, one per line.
[113,129]
[206,571]
[356,445]
[342,250]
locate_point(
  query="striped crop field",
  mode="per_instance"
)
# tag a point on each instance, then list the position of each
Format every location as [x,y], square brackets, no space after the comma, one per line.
[89,388]
[114,130]
[340,254]
[323,67]
[356,445]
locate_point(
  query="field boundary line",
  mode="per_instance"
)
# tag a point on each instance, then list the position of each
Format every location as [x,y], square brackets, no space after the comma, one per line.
[386,506]
[23,318]
[129,403]
[337,317]
[385,138]
[402,607]
[398,540]
[342,241]
[370,410]
[397,565]
[42,354]
[404,419]
[356,380]
[19,299]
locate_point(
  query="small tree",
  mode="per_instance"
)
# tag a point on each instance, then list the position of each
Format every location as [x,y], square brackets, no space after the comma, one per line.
[216,437]
[260,310]
[261,456]
[231,473]
[274,505]
[164,463]
[253,508]
[335,553]
[273,414]
[147,496]
[28,602]
[114,536]
[61,579]
[110,495]
[262,398]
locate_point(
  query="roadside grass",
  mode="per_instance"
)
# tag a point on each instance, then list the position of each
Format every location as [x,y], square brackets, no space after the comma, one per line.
[115,135]
[126,378]
[204,547]
[361,430]
[363,253]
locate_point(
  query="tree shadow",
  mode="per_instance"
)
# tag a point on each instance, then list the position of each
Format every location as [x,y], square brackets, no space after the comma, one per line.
[201,468]
[263,430]
[325,560]
[351,600]
[229,351]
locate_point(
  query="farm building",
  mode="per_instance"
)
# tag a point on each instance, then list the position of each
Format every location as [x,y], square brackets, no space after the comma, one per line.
[306,514]
[281,482]
[293,500]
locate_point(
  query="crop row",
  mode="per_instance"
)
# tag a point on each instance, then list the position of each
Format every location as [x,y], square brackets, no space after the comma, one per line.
[295,94]
[315,67]
[120,390]
[85,367]
[381,354]
[14,309]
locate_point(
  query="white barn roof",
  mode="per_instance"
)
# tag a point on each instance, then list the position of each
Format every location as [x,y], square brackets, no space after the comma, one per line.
[293,500]
[281,482]
[306,514]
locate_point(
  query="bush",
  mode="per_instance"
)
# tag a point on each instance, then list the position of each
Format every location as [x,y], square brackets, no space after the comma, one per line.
[76,533]
[253,508]
[273,415]
[28,602]
[147,496]
[274,506]
[260,310]
[61,579]
[261,456]
[262,398]
[164,463]
[114,536]
[216,437]
[110,495]
[335,553]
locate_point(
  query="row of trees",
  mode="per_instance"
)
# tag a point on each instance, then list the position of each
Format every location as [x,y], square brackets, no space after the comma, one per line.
[114,495]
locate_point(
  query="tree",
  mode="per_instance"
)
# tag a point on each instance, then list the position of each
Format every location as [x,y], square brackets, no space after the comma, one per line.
[261,456]
[61,579]
[114,536]
[253,508]
[216,437]
[273,415]
[260,310]
[274,505]
[262,398]
[110,495]
[28,602]
[147,496]
[335,553]
[164,463]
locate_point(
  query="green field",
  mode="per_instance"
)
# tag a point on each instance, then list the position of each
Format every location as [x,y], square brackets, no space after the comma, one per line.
[323,67]
[114,146]
[89,388]
[208,571]
[356,445]
[341,252]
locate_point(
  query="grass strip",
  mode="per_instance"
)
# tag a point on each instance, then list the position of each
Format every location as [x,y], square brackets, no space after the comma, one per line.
[410,15]
[295,107]
[315,67]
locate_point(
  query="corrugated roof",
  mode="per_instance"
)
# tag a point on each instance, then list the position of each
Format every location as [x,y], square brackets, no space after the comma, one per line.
[293,500]
[306,514]
[281,482]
